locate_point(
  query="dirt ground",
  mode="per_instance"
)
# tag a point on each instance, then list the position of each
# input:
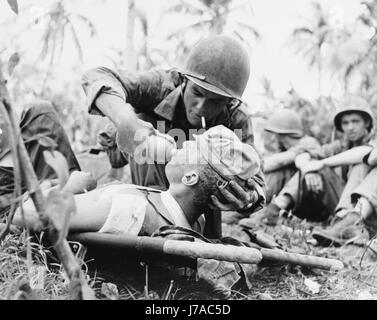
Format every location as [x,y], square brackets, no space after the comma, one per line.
[358,280]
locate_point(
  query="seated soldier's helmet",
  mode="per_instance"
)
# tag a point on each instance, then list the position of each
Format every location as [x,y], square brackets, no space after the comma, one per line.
[219,64]
[285,121]
[351,104]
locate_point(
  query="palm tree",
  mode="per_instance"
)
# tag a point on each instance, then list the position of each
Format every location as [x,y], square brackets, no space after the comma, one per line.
[364,62]
[311,39]
[212,17]
[138,53]
[58,22]
[130,52]
[137,57]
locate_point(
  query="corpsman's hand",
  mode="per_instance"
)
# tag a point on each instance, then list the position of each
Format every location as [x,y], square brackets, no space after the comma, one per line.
[237,198]
[312,166]
[106,138]
[129,139]
[156,148]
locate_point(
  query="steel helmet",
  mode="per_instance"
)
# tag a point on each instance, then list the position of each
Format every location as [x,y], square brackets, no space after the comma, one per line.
[285,121]
[219,64]
[350,104]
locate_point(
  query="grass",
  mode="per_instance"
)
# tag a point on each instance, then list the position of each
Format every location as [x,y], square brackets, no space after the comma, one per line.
[28,270]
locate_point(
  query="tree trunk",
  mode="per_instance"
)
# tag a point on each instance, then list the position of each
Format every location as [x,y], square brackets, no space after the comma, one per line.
[319,72]
[130,54]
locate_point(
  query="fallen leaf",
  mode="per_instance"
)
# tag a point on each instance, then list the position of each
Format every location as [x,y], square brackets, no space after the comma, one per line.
[110,290]
[312,286]
[153,295]
[38,277]
[366,295]
[265,296]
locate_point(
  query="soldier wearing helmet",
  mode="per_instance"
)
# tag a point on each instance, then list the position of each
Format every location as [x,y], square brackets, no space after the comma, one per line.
[206,92]
[284,141]
[320,186]
[317,192]
[354,105]
[355,120]
[284,127]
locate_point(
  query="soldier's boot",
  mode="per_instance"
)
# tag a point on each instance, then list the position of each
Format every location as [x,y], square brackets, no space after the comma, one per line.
[349,229]
[269,215]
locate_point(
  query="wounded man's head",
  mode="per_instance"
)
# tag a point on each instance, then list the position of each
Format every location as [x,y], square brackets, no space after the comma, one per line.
[211,161]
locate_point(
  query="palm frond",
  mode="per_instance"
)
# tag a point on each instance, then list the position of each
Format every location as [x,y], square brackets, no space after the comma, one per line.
[76,40]
[196,25]
[249,29]
[142,17]
[61,42]
[46,43]
[301,31]
[240,37]
[52,50]
[89,24]
[242,5]
[350,68]
[186,7]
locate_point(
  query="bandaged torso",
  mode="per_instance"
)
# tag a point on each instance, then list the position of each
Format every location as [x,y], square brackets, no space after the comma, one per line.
[133,213]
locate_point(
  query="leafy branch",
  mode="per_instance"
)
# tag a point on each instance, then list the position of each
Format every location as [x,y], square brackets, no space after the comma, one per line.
[54,212]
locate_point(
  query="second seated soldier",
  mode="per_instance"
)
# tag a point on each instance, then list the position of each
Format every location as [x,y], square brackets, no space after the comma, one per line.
[38,119]
[205,93]
[317,192]
[284,141]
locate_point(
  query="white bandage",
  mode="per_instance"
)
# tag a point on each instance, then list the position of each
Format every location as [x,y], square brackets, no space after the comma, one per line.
[126,215]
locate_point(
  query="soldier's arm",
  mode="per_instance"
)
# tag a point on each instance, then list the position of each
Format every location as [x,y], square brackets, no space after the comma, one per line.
[279,160]
[109,94]
[302,159]
[349,157]
[125,121]
[372,159]
[119,96]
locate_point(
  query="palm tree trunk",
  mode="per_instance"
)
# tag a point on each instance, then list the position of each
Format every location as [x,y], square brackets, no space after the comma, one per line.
[130,54]
[319,71]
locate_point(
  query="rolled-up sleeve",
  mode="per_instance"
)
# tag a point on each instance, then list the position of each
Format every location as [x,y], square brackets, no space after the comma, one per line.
[143,90]
[98,81]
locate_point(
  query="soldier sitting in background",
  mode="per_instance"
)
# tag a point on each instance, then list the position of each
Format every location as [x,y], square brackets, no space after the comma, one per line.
[316,192]
[365,195]
[38,119]
[360,222]
[285,141]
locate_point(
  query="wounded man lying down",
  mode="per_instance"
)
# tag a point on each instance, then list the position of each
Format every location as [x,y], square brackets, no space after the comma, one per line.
[194,172]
